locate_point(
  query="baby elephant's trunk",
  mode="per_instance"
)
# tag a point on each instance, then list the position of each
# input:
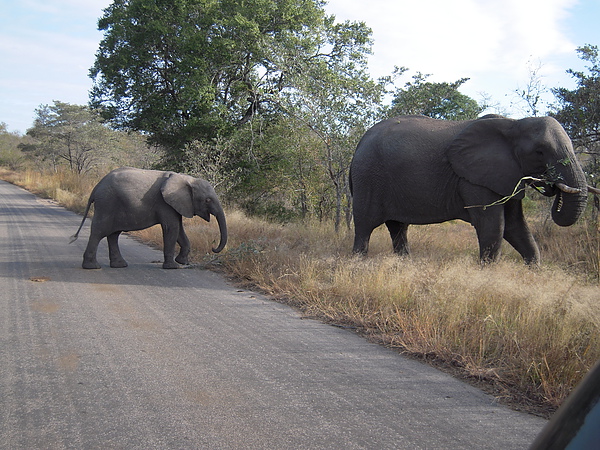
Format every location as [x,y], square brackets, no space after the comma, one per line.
[223,229]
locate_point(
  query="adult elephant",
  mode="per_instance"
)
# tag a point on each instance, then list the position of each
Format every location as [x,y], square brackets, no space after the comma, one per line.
[129,199]
[418,170]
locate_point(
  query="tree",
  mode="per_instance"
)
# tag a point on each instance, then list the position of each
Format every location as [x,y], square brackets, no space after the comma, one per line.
[214,81]
[578,110]
[337,100]
[533,91]
[75,135]
[436,100]
[10,154]
[280,176]
[187,70]
[70,133]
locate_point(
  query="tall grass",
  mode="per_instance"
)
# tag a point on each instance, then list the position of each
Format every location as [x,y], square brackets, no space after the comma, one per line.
[68,188]
[531,334]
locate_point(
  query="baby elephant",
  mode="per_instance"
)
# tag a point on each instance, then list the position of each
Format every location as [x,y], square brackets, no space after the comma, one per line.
[129,199]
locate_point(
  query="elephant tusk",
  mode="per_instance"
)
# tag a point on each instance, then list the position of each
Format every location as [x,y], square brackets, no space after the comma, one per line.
[594,190]
[568,189]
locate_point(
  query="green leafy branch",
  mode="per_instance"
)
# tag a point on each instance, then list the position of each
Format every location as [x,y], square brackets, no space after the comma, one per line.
[516,191]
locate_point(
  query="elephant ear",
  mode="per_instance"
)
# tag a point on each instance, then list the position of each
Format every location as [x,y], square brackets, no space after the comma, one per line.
[177,192]
[483,154]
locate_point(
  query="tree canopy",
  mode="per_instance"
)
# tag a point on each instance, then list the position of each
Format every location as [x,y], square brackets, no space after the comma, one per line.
[69,133]
[436,100]
[10,154]
[184,70]
[578,110]
[75,135]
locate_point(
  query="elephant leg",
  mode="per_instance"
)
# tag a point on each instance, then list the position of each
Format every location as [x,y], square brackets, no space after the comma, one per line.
[89,255]
[398,233]
[114,253]
[170,236]
[517,233]
[185,246]
[489,224]
[362,236]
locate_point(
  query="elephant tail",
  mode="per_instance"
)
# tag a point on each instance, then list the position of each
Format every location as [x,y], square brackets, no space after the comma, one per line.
[87,210]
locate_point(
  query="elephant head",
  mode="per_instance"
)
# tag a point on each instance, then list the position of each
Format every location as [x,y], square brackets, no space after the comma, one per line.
[505,155]
[190,197]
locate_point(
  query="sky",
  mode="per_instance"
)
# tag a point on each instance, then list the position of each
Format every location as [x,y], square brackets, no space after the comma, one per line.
[48,46]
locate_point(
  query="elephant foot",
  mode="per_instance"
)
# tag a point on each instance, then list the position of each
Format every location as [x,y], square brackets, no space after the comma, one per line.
[91,265]
[118,264]
[403,251]
[183,260]
[170,265]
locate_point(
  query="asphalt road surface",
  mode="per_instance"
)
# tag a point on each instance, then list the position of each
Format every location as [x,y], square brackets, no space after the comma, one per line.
[146,358]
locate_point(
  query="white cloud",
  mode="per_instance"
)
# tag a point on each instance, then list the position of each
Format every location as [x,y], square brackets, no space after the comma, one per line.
[487,40]
[532,28]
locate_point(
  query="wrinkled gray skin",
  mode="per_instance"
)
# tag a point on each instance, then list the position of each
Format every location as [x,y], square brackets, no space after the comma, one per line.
[417,170]
[129,199]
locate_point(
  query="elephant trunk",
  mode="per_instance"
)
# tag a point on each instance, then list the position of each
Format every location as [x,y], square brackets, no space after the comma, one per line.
[571,197]
[222,228]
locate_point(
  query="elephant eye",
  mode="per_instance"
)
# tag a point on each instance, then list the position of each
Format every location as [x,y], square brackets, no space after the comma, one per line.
[208,200]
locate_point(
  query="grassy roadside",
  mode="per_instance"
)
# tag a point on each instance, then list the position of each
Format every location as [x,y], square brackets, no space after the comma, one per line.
[528,335]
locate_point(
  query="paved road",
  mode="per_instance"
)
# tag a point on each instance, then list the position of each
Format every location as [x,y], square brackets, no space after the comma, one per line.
[144,358]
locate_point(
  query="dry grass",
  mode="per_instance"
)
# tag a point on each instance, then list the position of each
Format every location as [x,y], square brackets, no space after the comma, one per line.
[530,333]
[69,189]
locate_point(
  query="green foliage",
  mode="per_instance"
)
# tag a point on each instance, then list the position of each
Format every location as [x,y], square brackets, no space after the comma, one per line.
[10,154]
[75,136]
[265,168]
[213,162]
[187,70]
[67,133]
[436,100]
[337,101]
[283,177]
[578,110]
